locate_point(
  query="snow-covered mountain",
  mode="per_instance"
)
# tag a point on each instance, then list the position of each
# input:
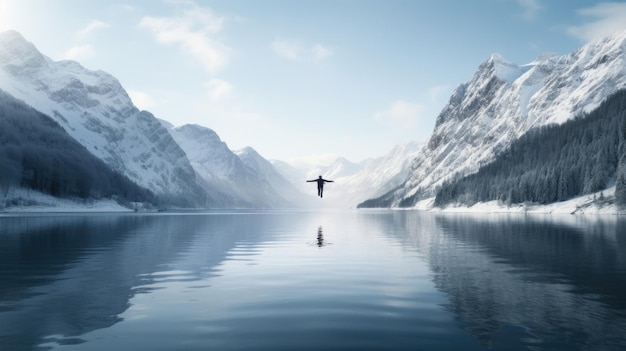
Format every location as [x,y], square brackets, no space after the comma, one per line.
[242,179]
[503,101]
[376,176]
[272,183]
[340,168]
[95,110]
[354,182]
[188,165]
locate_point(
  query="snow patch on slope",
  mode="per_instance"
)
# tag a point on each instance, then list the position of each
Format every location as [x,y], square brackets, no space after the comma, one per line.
[601,202]
[355,182]
[95,110]
[27,200]
[503,101]
[505,70]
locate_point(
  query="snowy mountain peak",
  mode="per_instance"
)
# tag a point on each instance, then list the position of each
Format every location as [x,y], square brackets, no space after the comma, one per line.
[95,110]
[251,158]
[209,155]
[18,54]
[617,41]
[340,168]
[545,57]
[257,163]
[247,150]
[597,54]
[234,179]
[200,133]
[505,70]
[503,101]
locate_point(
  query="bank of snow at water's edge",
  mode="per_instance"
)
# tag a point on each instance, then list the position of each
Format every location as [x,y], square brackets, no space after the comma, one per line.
[33,201]
[597,203]
[602,202]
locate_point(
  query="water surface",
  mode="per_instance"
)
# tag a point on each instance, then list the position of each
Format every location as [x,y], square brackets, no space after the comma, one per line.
[287,280]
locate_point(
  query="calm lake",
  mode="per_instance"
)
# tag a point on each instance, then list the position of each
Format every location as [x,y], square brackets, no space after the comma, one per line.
[299,280]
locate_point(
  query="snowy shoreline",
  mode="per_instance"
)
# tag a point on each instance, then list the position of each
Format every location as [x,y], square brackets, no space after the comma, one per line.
[36,202]
[600,203]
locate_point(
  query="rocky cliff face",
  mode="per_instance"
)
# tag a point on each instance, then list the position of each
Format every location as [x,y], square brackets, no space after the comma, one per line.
[503,101]
[95,110]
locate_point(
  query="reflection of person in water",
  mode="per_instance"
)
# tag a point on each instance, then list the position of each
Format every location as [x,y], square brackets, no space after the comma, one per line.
[320,185]
[320,237]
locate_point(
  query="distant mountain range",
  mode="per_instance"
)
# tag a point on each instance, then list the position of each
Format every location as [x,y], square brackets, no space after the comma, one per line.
[356,182]
[142,159]
[187,166]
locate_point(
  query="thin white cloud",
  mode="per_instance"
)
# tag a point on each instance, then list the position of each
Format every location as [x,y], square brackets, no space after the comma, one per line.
[141,100]
[286,49]
[218,89]
[436,92]
[84,51]
[320,52]
[194,32]
[402,113]
[81,52]
[124,7]
[92,26]
[530,8]
[607,18]
[295,51]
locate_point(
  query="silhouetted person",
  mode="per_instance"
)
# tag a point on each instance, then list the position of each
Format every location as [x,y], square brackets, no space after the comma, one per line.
[320,185]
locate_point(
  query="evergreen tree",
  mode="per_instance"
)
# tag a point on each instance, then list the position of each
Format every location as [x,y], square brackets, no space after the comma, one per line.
[36,153]
[552,163]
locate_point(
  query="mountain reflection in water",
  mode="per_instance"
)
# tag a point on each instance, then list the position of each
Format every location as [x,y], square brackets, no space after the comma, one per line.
[399,280]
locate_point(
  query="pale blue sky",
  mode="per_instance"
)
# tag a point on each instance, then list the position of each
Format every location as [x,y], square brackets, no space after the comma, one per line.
[304,79]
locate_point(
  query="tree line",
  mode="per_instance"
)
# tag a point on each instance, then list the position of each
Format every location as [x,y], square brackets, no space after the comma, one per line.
[36,153]
[553,163]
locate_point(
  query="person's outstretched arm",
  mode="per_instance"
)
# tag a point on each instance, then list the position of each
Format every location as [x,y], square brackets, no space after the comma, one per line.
[310,181]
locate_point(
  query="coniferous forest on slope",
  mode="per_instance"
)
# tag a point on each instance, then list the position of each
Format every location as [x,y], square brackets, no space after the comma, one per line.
[38,154]
[546,165]
[553,163]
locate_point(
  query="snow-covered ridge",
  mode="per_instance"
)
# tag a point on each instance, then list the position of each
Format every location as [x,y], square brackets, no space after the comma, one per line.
[503,101]
[356,182]
[505,70]
[95,110]
[189,162]
[233,179]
